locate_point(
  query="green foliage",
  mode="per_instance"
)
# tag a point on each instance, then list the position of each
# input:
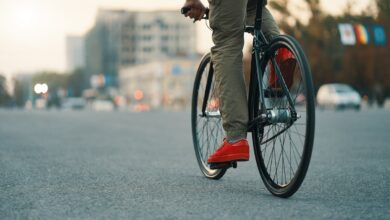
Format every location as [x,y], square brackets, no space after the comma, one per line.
[73,82]
[54,80]
[384,9]
[5,98]
[19,93]
[76,82]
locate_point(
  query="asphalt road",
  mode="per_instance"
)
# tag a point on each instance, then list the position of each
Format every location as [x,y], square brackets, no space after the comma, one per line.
[121,165]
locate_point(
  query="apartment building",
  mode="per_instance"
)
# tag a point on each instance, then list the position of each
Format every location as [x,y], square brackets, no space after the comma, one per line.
[166,83]
[123,38]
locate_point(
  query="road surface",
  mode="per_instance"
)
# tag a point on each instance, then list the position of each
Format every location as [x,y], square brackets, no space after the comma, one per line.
[122,165]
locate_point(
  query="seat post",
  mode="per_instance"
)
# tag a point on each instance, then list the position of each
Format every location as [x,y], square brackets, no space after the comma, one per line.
[259,14]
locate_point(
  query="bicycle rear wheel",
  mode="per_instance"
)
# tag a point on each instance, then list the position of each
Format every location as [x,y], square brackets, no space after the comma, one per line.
[206,121]
[283,145]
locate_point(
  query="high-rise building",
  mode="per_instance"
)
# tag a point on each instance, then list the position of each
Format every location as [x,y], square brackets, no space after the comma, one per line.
[103,44]
[75,52]
[161,34]
[123,38]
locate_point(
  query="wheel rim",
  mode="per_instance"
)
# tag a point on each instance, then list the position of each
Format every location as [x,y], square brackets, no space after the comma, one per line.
[282,153]
[208,128]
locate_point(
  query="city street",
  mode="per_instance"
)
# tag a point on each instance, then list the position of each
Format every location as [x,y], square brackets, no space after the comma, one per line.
[124,165]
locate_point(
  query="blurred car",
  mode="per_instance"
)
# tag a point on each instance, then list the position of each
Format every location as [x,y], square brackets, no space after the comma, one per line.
[40,103]
[102,105]
[73,103]
[338,96]
[141,107]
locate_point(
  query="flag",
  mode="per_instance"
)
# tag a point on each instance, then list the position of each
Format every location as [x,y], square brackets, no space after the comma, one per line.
[347,34]
[379,35]
[362,34]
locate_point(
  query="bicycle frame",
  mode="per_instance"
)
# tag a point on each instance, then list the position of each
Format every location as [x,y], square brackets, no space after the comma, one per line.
[271,112]
[260,44]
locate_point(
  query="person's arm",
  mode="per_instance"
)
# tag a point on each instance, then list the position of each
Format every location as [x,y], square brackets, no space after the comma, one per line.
[197,9]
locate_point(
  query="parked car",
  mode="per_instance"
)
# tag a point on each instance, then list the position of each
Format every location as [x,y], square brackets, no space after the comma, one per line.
[102,105]
[73,103]
[338,96]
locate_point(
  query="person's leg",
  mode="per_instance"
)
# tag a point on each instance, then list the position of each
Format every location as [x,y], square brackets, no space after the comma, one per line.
[269,26]
[227,19]
[284,58]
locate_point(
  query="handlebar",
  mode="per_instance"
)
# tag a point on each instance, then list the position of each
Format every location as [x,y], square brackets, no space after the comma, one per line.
[184,11]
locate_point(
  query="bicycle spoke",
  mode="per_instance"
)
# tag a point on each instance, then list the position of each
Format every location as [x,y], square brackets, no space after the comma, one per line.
[209,129]
[282,144]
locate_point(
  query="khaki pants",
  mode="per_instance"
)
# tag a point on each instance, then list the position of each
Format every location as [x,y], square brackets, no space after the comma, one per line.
[227,20]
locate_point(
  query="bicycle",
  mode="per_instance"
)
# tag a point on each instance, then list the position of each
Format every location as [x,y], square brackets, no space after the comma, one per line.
[281,113]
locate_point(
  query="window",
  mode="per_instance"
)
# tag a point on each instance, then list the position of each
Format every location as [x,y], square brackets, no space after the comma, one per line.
[147,49]
[126,49]
[164,49]
[147,38]
[161,24]
[146,26]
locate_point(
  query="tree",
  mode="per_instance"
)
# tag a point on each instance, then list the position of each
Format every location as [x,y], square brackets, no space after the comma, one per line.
[383,10]
[18,93]
[5,98]
[76,82]
[363,66]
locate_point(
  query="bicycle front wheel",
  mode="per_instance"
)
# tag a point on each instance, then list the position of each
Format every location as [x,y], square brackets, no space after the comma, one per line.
[206,121]
[283,145]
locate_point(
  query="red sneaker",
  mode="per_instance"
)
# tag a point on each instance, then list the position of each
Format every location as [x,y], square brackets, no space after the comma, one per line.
[287,63]
[238,151]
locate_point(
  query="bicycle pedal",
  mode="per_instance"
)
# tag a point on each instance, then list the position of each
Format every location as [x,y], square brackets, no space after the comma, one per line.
[224,165]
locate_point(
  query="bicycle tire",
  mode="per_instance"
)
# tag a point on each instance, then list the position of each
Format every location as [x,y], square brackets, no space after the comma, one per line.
[266,159]
[197,137]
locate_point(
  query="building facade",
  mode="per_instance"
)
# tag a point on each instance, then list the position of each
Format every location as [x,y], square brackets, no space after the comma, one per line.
[124,38]
[165,83]
[75,52]
[103,44]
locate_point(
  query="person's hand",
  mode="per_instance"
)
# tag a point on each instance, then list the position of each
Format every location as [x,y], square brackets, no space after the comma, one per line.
[197,9]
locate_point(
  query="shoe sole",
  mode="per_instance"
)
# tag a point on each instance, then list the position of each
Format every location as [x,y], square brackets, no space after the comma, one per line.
[230,158]
[226,165]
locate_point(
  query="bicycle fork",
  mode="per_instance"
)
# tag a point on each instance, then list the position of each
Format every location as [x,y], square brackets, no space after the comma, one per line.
[270,116]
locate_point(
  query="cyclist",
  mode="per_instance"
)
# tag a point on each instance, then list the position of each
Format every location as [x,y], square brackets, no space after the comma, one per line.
[227,20]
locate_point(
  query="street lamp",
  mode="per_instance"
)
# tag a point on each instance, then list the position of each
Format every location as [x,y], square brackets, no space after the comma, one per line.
[41,88]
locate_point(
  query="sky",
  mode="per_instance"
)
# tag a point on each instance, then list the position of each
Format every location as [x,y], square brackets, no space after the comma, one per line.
[33,32]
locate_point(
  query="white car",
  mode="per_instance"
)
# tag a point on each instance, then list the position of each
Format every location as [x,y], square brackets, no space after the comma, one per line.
[338,96]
